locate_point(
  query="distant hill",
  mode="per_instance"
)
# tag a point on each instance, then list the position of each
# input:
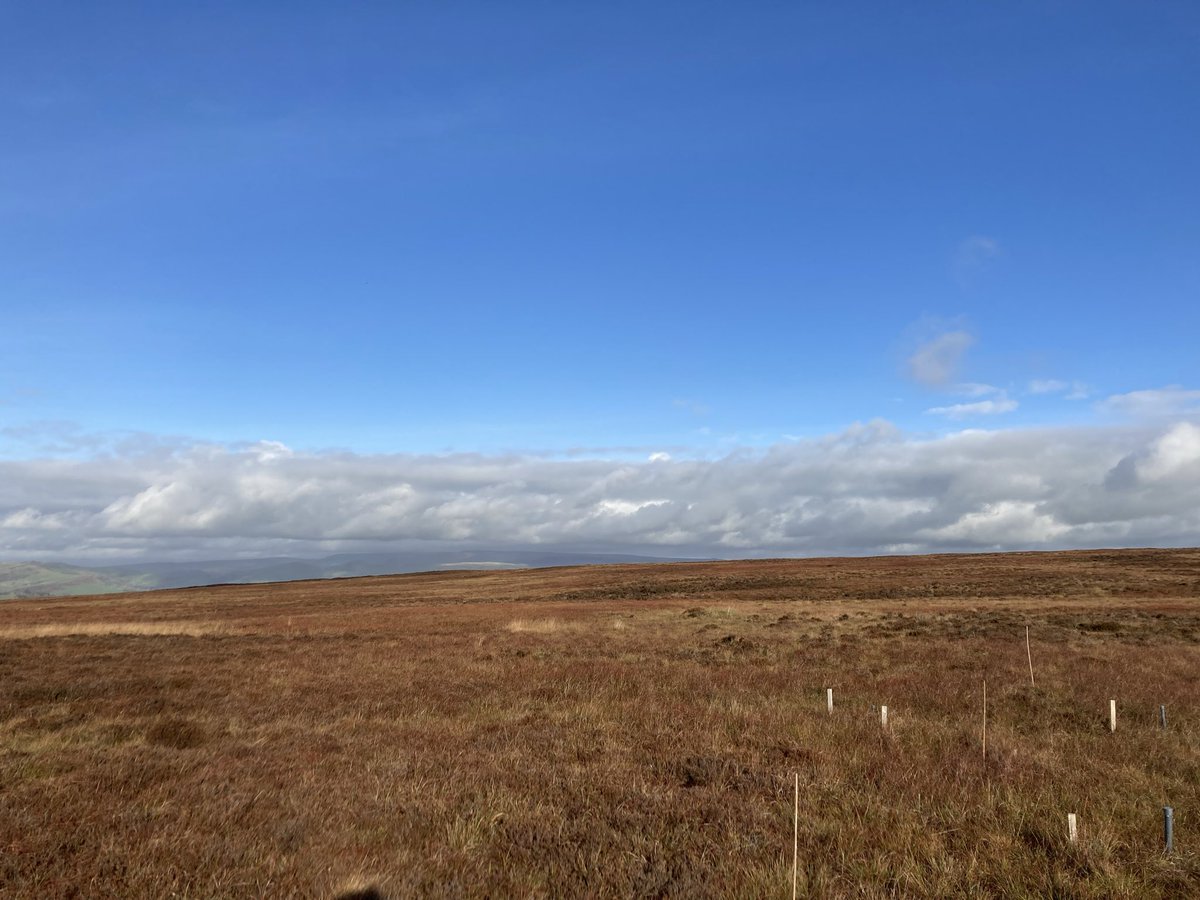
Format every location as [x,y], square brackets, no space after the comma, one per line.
[32,579]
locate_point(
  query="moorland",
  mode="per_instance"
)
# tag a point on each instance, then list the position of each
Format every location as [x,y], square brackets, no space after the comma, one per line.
[613,731]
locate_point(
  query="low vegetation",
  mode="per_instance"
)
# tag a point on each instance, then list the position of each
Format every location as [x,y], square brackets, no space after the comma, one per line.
[624,731]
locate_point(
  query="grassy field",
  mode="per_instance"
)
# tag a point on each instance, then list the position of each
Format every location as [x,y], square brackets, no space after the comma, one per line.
[40,579]
[624,731]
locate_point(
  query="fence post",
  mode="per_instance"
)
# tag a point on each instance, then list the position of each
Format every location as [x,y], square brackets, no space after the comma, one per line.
[1029,653]
[1072,828]
[1112,715]
[796,837]
[985,720]
[1169,828]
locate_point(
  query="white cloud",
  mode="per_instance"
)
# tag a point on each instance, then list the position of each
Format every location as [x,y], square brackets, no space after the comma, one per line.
[994,522]
[936,362]
[871,488]
[626,507]
[1171,458]
[1073,390]
[269,450]
[29,519]
[979,408]
[1169,401]
[1175,453]
[975,389]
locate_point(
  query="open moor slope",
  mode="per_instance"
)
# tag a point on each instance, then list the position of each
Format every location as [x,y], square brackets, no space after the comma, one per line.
[624,730]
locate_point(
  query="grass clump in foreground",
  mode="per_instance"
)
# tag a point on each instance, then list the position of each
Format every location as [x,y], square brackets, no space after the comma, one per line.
[383,735]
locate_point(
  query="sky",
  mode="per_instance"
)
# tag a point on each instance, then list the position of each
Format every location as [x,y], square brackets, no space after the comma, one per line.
[732,279]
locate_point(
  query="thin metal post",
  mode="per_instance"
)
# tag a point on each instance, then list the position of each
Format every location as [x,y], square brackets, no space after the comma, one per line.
[1072,828]
[1169,828]
[1162,717]
[829,699]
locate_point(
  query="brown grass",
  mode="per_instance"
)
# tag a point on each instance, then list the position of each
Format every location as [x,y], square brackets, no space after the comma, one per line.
[93,629]
[495,734]
[541,626]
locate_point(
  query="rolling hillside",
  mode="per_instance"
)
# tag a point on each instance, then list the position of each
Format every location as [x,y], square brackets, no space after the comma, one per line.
[32,579]
[613,731]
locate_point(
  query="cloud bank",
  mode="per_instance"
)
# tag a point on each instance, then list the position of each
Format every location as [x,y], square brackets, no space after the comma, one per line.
[1161,402]
[869,489]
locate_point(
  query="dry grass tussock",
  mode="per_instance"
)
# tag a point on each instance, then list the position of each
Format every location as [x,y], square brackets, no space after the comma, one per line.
[540,626]
[495,735]
[96,629]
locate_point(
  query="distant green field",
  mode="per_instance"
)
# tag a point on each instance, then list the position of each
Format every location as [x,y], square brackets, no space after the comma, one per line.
[41,580]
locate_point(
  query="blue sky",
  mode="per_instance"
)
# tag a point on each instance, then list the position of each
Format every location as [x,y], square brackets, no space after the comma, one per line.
[592,229]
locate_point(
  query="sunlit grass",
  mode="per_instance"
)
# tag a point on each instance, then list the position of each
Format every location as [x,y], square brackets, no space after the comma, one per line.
[521,744]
